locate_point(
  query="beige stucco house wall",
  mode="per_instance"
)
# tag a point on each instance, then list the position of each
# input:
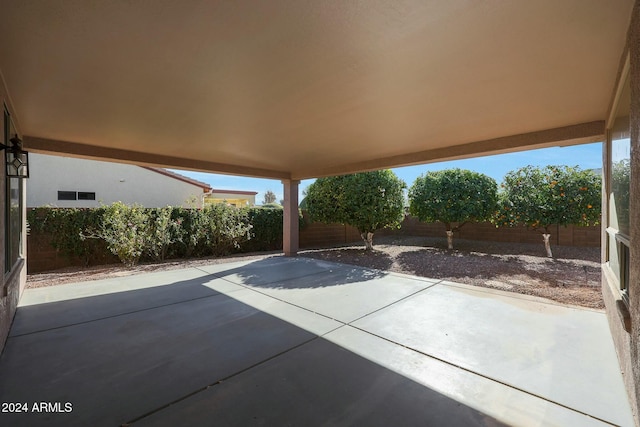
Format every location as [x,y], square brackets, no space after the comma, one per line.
[96,182]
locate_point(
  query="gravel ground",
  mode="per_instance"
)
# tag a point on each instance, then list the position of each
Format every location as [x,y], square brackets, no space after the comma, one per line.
[84,274]
[572,277]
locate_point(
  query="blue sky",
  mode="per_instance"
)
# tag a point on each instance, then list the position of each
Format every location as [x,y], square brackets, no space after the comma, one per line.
[587,156]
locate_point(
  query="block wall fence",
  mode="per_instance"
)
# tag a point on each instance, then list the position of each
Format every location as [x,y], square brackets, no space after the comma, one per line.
[316,235]
[43,257]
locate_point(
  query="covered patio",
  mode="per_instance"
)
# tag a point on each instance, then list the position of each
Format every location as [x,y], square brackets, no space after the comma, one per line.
[296,341]
[295,90]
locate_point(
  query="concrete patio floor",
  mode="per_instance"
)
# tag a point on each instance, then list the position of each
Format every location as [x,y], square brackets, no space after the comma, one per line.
[295,341]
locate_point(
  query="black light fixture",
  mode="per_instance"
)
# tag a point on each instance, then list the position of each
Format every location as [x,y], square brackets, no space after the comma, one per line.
[17,160]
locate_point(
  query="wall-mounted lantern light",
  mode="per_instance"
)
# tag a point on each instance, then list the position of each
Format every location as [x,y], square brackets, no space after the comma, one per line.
[17,160]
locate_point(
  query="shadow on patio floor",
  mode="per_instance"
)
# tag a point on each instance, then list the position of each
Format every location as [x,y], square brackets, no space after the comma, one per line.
[183,354]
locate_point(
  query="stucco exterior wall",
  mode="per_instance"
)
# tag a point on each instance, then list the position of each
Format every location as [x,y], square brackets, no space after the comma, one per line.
[627,343]
[110,181]
[232,198]
[634,277]
[12,283]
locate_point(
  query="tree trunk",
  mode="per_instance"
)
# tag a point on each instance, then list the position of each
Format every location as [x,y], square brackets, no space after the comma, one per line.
[547,246]
[368,240]
[450,239]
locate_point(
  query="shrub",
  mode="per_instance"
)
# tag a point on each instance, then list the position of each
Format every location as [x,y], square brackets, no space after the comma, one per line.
[271,206]
[163,231]
[225,228]
[134,233]
[125,229]
[190,235]
[266,233]
[67,229]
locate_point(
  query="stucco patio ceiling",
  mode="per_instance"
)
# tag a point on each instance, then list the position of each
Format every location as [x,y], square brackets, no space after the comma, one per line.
[297,89]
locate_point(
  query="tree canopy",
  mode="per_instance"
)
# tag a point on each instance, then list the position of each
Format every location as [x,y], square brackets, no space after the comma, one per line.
[269,197]
[453,197]
[541,197]
[367,201]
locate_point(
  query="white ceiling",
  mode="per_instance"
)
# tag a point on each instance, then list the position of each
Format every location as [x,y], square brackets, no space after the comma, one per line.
[303,88]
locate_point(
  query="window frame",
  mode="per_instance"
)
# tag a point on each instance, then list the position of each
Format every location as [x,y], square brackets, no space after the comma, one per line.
[68,193]
[616,242]
[86,195]
[13,212]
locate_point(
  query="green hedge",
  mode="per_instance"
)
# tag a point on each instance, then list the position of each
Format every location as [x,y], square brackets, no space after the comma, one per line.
[134,233]
[66,226]
[266,233]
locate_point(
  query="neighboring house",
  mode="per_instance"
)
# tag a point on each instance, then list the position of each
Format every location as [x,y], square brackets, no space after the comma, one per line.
[232,197]
[72,182]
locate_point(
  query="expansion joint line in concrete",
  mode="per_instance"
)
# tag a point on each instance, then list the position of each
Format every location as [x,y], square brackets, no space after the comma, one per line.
[483,376]
[395,302]
[280,299]
[220,381]
[216,294]
[315,312]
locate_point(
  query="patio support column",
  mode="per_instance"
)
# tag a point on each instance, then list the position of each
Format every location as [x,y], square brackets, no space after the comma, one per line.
[290,231]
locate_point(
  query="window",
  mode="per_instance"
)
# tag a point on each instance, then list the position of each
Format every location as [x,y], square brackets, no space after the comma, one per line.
[15,217]
[13,207]
[79,195]
[620,175]
[624,260]
[85,195]
[67,195]
[619,178]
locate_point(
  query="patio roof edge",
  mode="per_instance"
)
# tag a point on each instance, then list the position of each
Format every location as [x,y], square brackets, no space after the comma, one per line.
[78,150]
[563,136]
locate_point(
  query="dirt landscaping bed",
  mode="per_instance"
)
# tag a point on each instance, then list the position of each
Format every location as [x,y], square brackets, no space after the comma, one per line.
[572,277]
[84,274]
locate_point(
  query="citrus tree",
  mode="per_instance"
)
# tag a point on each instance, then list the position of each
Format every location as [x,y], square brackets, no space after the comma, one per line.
[453,197]
[367,201]
[552,195]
